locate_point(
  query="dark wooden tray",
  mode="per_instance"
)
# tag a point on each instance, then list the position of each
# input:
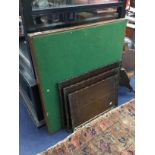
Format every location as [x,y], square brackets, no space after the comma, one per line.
[92,100]
[83,84]
[74,80]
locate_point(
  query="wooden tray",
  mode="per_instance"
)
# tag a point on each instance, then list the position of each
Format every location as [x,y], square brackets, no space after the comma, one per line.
[83,84]
[93,100]
[69,82]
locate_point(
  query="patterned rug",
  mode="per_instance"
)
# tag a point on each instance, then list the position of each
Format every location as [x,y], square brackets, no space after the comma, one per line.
[112,133]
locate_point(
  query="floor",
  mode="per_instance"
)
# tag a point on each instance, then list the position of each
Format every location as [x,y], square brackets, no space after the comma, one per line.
[34,140]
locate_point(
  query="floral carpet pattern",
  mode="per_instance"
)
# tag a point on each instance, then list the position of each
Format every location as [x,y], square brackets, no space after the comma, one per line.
[112,133]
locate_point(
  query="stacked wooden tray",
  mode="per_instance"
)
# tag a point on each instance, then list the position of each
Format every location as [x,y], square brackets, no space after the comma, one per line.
[88,95]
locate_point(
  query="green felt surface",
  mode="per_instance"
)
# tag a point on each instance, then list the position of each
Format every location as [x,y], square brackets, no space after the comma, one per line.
[62,55]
